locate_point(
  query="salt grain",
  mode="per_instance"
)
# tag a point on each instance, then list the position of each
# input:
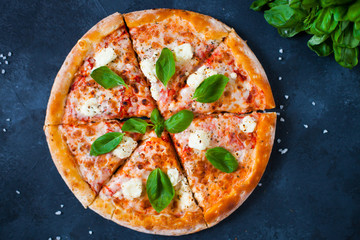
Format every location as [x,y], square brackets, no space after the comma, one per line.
[306,126]
[58,213]
[61,205]
[4,130]
[280,78]
[313,103]
[1,55]
[281,50]
[8,119]
[260,184]
[286,96]
[325,131]
[281,106]
[283,151]
[279,140]
[17,192]
[50,238]
[4,57]
[2,71]
[280,58]
[58,238]
[6,62]
[9,54]
[90,232]
[282,120]
[278,114]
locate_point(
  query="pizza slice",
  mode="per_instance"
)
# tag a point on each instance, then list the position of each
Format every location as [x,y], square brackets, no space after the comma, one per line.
[247,88]
[190,36]
[124,199]
[119,89]
[224,157]
[86,172]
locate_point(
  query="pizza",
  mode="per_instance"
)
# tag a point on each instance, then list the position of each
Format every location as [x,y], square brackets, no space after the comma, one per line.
[156,121]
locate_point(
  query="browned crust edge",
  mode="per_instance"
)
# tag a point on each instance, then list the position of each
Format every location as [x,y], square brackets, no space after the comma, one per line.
[104,208]
[64,78]
[261,154]
[121,217]
[246,58]
[209,26]
[66,166]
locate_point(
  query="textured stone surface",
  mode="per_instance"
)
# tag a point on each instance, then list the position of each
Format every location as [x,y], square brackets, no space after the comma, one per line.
[311,192]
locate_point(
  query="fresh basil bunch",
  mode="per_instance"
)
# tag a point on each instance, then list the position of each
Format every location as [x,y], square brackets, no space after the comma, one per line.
[334,24]
[175,124]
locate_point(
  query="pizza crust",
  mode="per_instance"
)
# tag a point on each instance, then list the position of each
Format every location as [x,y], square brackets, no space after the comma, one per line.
[209,26]
[159,225]
[64,78]
[261,155]
[246,58]
[66,166]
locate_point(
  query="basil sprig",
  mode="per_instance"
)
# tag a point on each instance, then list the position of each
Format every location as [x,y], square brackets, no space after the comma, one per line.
[333,24]
[165,66]
[158,122]
[159,190]
[137,125]
[107,78]
[211,89]
[222,159]
[175,124]
[106,143]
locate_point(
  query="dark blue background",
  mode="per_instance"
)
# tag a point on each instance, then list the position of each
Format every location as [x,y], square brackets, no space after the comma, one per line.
[311,192]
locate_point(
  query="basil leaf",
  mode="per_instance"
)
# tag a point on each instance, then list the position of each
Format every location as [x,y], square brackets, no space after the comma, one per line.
[135,125]
[346,57]
[343,36]
[340,13]
[278,3]
[309,3]
[321,45]
[211,89]
[179,121]
[292,31]
[353,13]
[328,3]
[356,30]
[165,66]
[106,143]
[222,159]
[159,190]
[158,121]
[259,4]
[325,22]
[107,78]
[284,16]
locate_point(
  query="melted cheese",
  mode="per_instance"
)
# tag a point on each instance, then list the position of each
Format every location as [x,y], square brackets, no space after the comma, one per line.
[195,79]
[174,176]
[186,199]
[132,188]
[183,52]
[199,140]
[148,68]
[248,124]
[125,148]
[105,56]
[90,108]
